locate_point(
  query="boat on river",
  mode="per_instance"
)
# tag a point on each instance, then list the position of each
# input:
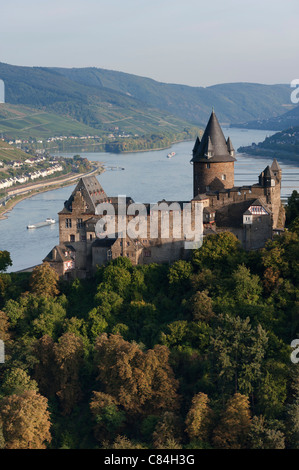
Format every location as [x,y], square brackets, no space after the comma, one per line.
[48,221]
[171,154]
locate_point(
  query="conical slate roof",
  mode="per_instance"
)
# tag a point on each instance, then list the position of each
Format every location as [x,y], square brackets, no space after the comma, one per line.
[230,146]
[196,145]
[213,141]
[275,166]
[268,173]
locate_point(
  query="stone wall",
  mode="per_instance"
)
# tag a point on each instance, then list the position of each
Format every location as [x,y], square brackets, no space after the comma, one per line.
[215,176]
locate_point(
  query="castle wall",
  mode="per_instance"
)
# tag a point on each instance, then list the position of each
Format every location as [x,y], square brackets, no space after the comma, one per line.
[275,204]
[166,252]
[252,236]
[99,256]
[256,234]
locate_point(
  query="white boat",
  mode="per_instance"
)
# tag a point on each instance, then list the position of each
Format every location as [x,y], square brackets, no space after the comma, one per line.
[171,154]
[48,221]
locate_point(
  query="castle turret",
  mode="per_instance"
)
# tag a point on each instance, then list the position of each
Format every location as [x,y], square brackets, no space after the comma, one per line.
[230,147]
[213,160]
[269,178]
[276,170]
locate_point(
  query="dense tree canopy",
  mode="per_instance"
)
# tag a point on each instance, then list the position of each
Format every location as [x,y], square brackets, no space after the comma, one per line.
[5,260]
[25,421]
[191,355]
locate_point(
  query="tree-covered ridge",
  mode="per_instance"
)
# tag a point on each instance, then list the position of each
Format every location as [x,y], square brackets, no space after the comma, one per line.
[277,123]
[235,102]
[93,96]
[42,103]
[190,355]
[284,144]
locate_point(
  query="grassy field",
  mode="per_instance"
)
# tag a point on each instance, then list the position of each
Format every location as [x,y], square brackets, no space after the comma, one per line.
[8,153]
[20,122]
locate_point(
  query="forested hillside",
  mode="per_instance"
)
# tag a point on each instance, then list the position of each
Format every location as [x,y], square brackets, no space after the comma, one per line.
[184,356]
[233,102]
[79,109]
[285,144]
[278,123]
[93,96]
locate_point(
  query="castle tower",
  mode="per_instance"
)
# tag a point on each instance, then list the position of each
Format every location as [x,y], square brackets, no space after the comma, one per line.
[276,170]
[270,181]
[213,160]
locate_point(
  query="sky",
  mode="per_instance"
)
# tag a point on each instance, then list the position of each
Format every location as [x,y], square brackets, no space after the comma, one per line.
[191,42]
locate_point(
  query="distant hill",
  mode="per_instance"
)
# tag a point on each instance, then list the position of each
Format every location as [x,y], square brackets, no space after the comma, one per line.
[19,122]
[234,102]
[279,123]
[96,107]
[94,96]
[282,145]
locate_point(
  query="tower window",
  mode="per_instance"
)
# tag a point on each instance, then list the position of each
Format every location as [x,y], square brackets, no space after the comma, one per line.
[223,177]
[68,223]
[208,165]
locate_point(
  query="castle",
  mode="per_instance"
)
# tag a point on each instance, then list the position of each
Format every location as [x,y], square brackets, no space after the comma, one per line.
[252,213]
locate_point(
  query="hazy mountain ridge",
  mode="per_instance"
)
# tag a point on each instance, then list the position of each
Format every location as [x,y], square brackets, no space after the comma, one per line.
[49,87]
[279,123]
[233,102]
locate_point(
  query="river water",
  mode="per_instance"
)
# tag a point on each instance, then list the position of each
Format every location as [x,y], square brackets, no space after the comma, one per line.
[147,177]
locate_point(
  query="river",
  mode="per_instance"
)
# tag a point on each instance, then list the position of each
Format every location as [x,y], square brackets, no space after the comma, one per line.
[147,177]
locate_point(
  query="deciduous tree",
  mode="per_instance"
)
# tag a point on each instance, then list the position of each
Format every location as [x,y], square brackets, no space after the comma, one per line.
[139,381]
[168,431]
[68,356]
[265,435]
[43,281]
[202,307]
[199,418]
[26,421]
[16,381]
[5,260]
[234,426]
[108,417]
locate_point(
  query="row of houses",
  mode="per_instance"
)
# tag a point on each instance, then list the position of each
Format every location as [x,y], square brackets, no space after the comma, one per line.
[73,137]
[28,161]
[7,183]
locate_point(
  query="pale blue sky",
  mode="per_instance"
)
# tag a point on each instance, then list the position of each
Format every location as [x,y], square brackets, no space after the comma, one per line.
[192,42]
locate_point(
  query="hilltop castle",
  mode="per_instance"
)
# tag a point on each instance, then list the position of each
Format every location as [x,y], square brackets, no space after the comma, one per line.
[253,213]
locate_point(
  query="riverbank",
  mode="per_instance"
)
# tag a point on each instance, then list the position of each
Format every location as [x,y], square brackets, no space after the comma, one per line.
[154,149]
[49,185]
[287,158]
